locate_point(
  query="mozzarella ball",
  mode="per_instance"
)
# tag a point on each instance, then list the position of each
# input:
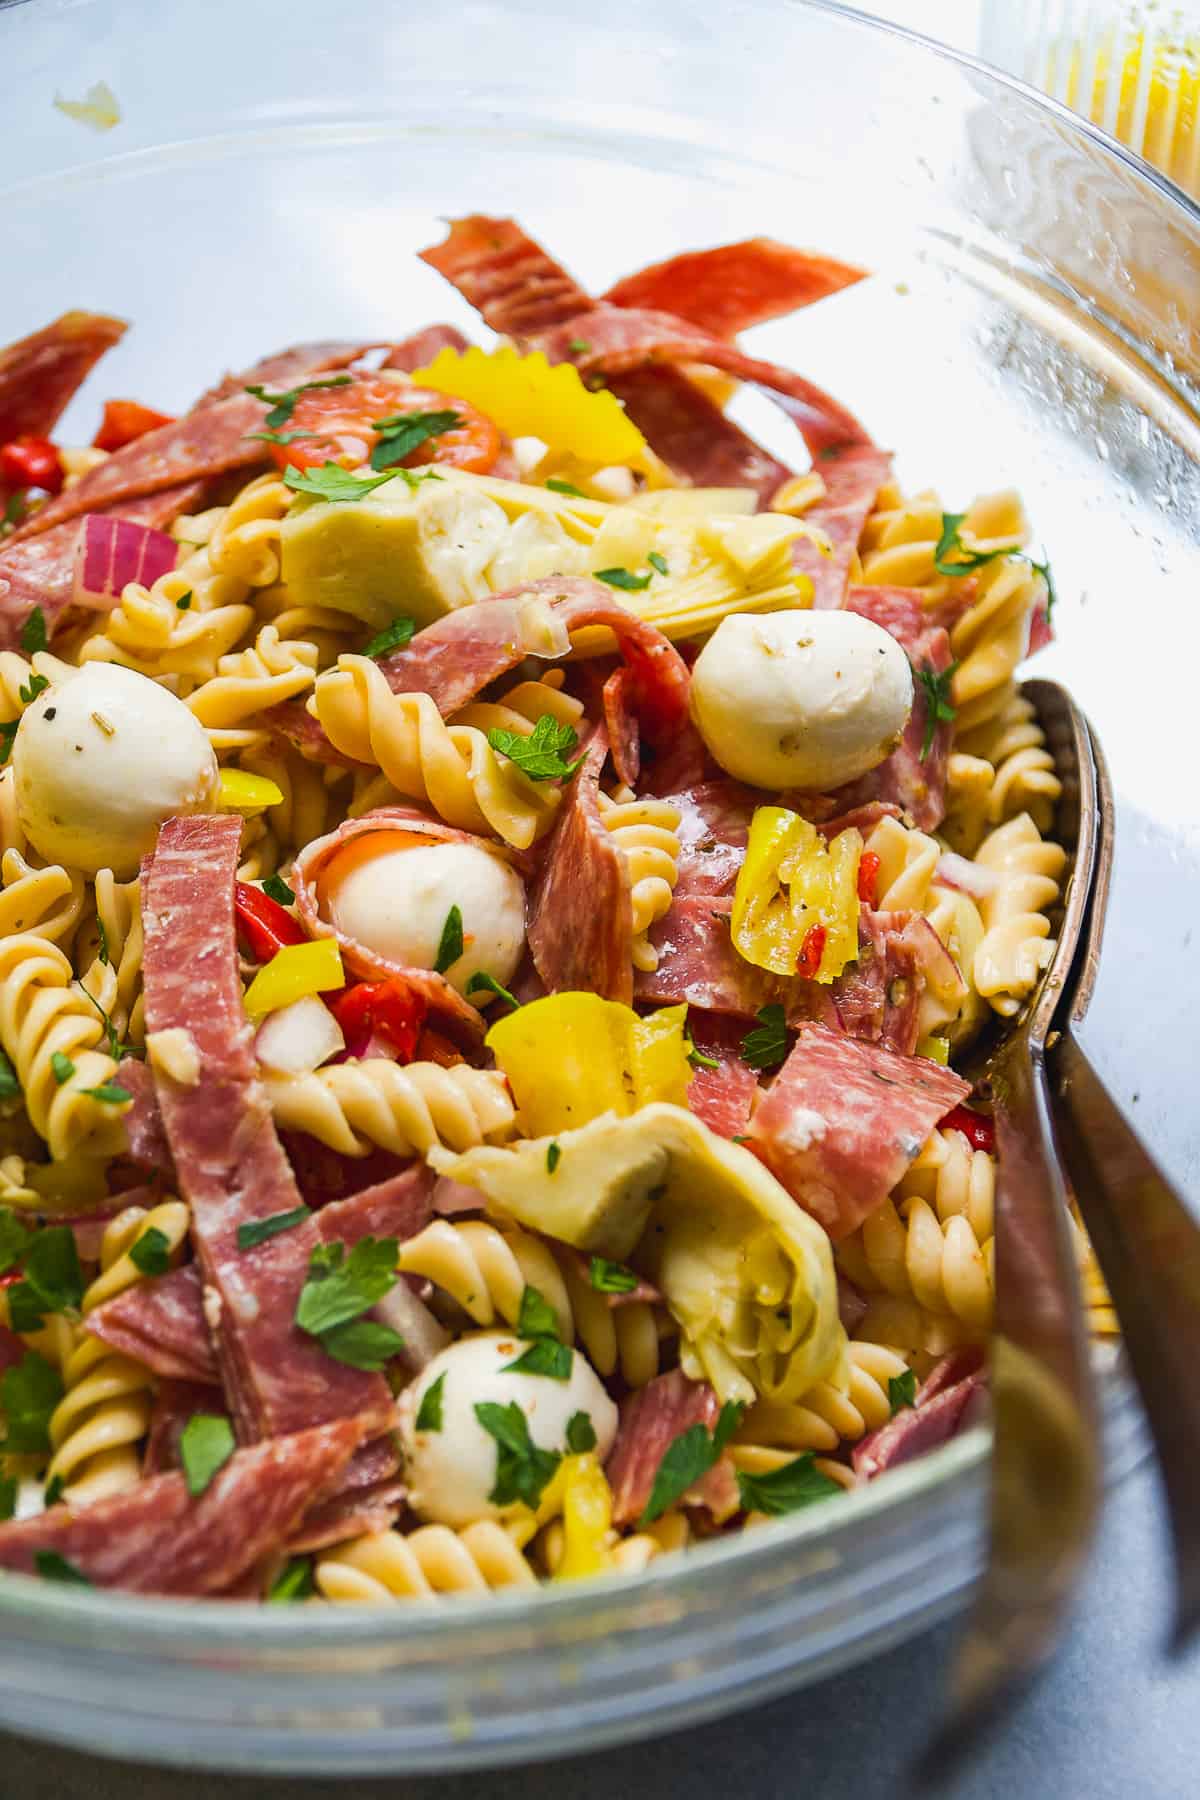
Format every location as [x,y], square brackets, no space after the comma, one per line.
[397,900]
[801,699]
[451,1472]
[100,761]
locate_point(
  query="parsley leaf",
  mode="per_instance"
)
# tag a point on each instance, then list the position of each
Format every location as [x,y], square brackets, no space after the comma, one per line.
[543,1357]
[109,1093]
[53,1567]
[277,889]
[283,405]
[205,1445]
[339,1287]
[624,579]
[10,1087]
[522,1469]
[1043,569]
[429,1413]
[102,946]
[53,1279]
[279,437]
[393,637]
[53,1492]
[564,487]
[611,1277]
[332,482]
[184,602]
[115,1047]
[578,346]
[258,1231]
[29,1394]
[581,1434]
[8,731]
[151,1253]
[902,1390]
[33,633]
[967,560]
[450,944]
[362,1344]
[481,981]
[691,1455]
[37,684]
[659,562]
[938,709]
[540,755]
[699,1060]
[553,1157]
[62,1067]
[402,433]
[8,1496]
[763,1048]
[294,1582]
[536,1317]
[14,1239]
[787,1489]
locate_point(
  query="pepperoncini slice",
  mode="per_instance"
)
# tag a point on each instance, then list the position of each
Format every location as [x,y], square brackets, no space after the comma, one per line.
[297,970]
[586,1518]
[795,906]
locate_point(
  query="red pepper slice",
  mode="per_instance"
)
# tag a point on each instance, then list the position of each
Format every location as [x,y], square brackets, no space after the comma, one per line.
[265,927]
[126,420]
[31,462]
[811,951]
[388,1007]
[868,875]
[979,1129]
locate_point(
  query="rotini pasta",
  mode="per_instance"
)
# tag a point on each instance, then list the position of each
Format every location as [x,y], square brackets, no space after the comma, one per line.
[998,770]
[421,1564]
[179,629]
[1017,944]
[827,1415]
[354,1105]
[50,1028]
[250,680]
[646,833]
[244,541]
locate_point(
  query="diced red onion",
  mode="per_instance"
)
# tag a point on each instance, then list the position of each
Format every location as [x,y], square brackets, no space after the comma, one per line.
[959,872]
[298,1038]
[113,552]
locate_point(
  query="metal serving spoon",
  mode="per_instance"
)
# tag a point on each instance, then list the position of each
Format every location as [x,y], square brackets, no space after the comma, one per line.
[1046,1488]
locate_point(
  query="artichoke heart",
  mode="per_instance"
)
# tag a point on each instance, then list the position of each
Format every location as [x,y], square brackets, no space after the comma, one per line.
[747,1275]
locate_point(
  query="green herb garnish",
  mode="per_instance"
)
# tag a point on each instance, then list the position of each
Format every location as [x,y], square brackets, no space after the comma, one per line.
[581,1434]
[277,889]
[553,1157]
[10,1087]
[692,1454]
[109,1093]
[33,633]
[536,1318]
[938,708]
[283,405]
[659,562]
[763,1048]
[37,684]
[786,1489]
[8,1496]
[259,1231]
[624,579]
[578,346]
[611,1277]
[29,1394]
[53,1567]
[332,482]
[967,559]
[339,1288]
[206,1444]
[53,1279]
[902,1390]
[450,944]
[294,1582]
[151,1253]
[52,1493]
[429,1413]
[481,981]
[402,433]
[15,1236]
[522,1469]
[362,1344]
[540,755]
[1043,569]
[564,487]
[61,1067]
[184,602]
[392,637]
[699,1060]
[543,1357]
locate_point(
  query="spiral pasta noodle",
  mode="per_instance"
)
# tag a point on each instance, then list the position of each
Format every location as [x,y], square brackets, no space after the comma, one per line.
[419,1565]
[628,1555]
[900,538]
[451,768]
[828,1415]
[110,952]
[992,637]
[353,1106]
[313,799]
[244,542]
[647,834]
[998,770]
[180,627]
[48,1024]
[248,681]
[1017,944]
[47,901]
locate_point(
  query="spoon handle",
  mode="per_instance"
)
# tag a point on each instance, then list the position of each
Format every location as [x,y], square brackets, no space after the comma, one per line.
[1148,1246]
[1045,1486]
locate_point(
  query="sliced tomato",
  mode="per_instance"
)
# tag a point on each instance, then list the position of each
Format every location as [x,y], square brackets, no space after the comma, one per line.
[342,423]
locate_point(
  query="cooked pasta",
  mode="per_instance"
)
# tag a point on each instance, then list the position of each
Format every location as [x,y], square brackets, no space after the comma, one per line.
[50,1029]
[1016,944]
[354,1105]
[248,681]
[828,1415]
[899,542]
[998,770]
[244,542]
[646,833]
[421,1564]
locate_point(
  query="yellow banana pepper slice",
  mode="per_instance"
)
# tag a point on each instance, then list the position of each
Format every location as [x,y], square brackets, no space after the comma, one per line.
[293,972]
[795,906]
[586,1519]
[240,792]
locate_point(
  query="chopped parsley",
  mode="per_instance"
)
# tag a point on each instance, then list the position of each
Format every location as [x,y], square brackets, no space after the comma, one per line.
[280,437]
[536,1317]
[101,948]
[1043,569]
[967,560]
[938,709]
[392,637]
[766,1046]
[902,1390]
[206,1444]
[152,1252]
[332,482]
[402,433]
[33,633]
[689,1457]
[115,1047]
[62,1067]
[8,731]
[14,1239]
[8,1496]
[294,1582]
[338,1290]
[523,1470]
[611,1277]
[109,1093]
[578,346]
[283,405]
[543,1357]
[184,601]
[553,1157]
[37,684]
[699,1060]
[53,1567]
[482,982]
[52,1493]
[787,1489]
[540,755]
[564,487]
[429,1413]
[29,1394]
[450,944]
[659,562]
[624,579]
[10,1087]
[53,1279]
[581,1434]
[259,1231]
[362,1344]
[277,889]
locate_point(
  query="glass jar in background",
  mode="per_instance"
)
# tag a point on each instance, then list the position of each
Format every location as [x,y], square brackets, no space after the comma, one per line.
[1131,66]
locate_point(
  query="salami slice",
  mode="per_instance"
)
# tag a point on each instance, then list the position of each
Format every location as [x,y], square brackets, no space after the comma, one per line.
[693,436]
[734,286]
[283,368]
[148,1149]
[843,1121]
[508,278]
[155,1539]
[161,1323]
[697,963]
[713,828]
[878,997]
[852,480]
[945,1403]
[208,442]
[368,1498]
[174,1404]
[721,1097]
[230,1164]
[581,916]
[417,351]
[913,777]
[650,1421]
[39,374]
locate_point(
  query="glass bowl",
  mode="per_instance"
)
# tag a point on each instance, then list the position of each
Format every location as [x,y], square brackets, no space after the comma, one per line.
[1033,321]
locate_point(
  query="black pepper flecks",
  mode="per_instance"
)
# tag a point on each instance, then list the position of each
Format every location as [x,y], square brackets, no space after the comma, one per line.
[49,712]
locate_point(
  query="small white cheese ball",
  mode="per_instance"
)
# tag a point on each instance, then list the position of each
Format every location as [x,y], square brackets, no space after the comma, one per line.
[451,1472]
[801,699]
[397,903]
[100,761]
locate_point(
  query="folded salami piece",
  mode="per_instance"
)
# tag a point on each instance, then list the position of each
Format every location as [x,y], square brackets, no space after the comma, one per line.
[581,915]
[156,1539]
[844,1119]
[416,351]
[230,1165]
[650,1421]
[949,1399]
[282,369]
[40,373]
[853,478]
[734,286]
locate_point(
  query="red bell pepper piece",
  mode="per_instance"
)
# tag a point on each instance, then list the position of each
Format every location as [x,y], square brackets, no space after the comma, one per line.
[28,462]
[868,875]
[389,1008]
[264,926]
[125,420]
[811,951]
[978,1128]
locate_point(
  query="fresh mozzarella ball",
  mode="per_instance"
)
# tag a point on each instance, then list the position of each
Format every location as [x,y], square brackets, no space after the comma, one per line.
[100,761]
[801,699]
[397,902]
[451,1472]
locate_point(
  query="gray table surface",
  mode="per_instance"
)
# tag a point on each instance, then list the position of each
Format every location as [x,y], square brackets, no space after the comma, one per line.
[1112,1719]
